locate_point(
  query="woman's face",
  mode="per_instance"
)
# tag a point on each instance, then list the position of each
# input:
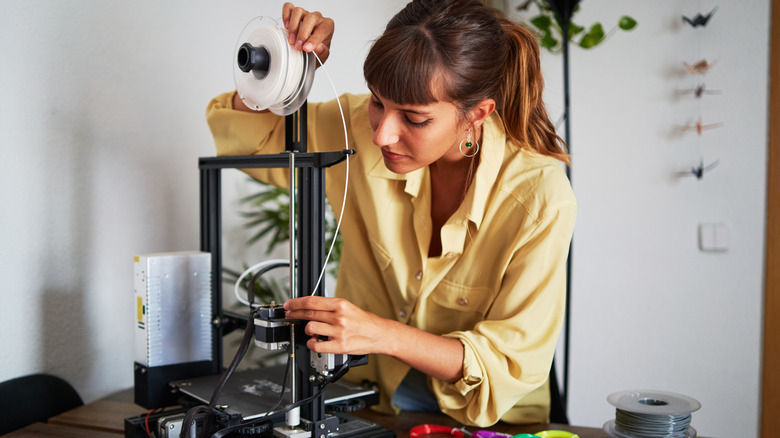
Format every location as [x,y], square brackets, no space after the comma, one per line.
[414,136]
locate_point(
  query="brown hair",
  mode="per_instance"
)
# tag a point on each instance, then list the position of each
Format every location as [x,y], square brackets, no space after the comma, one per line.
[474,56]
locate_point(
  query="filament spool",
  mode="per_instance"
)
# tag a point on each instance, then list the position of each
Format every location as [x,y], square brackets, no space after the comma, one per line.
[651,414]
[268,72]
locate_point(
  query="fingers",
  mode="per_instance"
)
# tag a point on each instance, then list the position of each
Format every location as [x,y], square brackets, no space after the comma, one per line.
[328,339]
[287,9]
[316,329]
[312,315]
[336,325]
[314,302]
[292,21]
[325,347]
[312,308]
[308,31]
[315,32]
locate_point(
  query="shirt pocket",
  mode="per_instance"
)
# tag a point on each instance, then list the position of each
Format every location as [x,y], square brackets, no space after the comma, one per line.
[455,307]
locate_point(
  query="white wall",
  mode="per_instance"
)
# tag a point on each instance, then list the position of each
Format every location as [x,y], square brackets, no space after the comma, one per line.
[102,123]
[650,310]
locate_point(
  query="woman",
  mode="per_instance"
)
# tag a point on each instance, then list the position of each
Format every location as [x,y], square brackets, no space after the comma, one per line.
[459,216]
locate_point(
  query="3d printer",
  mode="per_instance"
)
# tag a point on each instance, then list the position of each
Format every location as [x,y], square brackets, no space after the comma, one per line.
[219,402]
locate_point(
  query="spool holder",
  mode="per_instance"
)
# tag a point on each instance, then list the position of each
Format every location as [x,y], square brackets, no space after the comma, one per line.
[251,58]
[310,169]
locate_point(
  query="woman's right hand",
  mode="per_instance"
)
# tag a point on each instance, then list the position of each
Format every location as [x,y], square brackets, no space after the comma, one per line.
[308,31]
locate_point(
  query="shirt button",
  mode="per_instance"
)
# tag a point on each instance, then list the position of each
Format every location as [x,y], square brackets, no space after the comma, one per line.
[419,275]
[463,301]
[402,313]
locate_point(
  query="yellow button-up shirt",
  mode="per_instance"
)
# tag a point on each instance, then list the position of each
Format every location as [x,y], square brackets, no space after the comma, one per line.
[499,285]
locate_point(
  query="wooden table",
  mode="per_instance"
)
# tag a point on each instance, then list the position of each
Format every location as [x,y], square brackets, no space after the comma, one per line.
[104,418]
[58,430]
[104,415]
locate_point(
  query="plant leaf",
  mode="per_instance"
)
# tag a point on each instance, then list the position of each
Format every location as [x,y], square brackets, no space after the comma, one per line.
[626,22]
[594,36]
[575,29]
[543,22]
[548,41]
[259,235]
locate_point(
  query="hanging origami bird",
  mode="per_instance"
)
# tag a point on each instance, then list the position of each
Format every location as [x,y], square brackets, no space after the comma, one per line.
[698,91]
[699,126]
[700,68]
[699,19]
[700,170]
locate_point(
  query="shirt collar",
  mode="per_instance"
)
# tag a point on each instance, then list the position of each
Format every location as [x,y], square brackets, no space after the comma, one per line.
[413,179]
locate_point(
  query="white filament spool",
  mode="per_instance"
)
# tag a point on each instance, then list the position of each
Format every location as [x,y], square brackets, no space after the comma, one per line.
[285,85]
[651,414]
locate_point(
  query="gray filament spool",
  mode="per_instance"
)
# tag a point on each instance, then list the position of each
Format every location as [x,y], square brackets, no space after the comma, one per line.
[651,414]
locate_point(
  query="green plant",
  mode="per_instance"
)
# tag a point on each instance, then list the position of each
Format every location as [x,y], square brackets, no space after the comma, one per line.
[549,29]
[267,214]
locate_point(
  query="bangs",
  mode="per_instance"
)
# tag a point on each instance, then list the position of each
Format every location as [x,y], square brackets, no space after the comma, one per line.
[402,65]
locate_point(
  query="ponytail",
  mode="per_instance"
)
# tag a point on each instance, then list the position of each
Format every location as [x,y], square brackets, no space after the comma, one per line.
[462,40]
[521,105]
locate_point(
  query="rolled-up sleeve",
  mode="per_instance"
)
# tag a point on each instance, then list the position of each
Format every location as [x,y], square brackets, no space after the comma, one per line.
[247,133]
[251,133]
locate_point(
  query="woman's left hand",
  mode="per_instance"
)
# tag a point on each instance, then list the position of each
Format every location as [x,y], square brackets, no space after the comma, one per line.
[348,328]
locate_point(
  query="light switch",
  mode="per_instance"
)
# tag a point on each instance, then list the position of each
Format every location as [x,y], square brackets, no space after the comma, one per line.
[713,237]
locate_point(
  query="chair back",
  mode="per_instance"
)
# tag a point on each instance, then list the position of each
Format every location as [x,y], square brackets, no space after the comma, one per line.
[33,398]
